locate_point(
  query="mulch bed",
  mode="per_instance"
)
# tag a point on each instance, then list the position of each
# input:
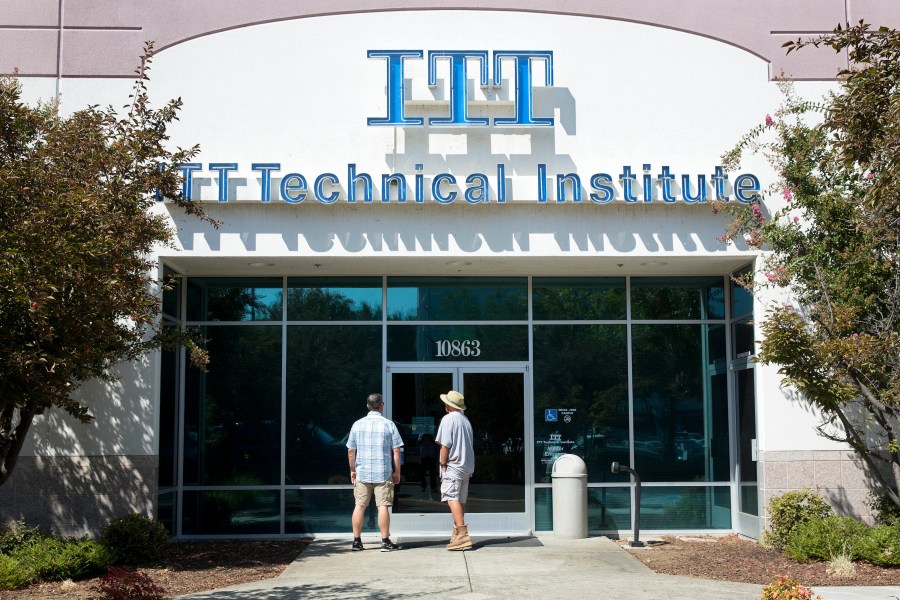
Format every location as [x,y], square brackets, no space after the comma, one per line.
[730,558]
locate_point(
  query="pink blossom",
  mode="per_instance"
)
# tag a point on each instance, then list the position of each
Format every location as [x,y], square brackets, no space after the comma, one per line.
[769,120]
[870,175]
[796,219]
[769,275]
[855,335]
[787,194]
[15,70]
[788,308]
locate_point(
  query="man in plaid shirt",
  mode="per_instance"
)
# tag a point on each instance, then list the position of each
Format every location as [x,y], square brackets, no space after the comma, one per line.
[373,450]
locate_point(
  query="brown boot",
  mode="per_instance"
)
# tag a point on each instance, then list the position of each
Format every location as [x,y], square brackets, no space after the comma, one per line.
[453,537]
[462,540]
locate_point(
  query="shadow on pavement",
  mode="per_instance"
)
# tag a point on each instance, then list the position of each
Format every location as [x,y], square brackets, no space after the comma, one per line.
[289,592]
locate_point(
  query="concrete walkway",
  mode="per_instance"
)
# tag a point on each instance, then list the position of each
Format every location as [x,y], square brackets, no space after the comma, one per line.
[496,567]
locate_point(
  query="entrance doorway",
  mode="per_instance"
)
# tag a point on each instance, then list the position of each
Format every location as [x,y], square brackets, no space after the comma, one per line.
[495,404]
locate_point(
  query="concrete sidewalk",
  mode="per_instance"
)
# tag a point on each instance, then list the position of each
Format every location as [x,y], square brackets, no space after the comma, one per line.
[498,567]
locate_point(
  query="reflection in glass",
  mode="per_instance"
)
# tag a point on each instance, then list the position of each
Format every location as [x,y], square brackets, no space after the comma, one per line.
[496,407]
[746,401]
[568,298]
[685,508]
[581,373]
[680,405]
[331,369]
[673,298]
[474,343]
[457,298]
[234,299]
[227,512]
[168,416]
[323,511]
[171,294]
[741,297]
[233,412]
[165,511]
[417,410]
[743,338]
[609,509]
[334,299]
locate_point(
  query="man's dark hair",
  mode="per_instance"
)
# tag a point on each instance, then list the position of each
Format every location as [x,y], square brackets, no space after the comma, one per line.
[374,401]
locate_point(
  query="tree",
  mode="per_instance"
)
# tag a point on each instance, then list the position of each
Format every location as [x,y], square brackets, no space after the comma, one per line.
[834,247]
[77,229]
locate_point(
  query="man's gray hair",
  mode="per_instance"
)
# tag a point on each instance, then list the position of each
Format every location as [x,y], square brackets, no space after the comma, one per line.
[374,401]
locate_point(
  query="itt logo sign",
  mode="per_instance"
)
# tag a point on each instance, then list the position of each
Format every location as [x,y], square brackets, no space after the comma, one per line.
[516,63]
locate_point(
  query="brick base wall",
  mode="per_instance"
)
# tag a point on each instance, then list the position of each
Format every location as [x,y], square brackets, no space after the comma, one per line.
[79,495]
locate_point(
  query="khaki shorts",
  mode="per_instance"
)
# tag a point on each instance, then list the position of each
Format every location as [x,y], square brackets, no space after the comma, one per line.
[384,493]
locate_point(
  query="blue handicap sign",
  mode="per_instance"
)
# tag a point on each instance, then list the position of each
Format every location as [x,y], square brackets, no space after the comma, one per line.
[550,415]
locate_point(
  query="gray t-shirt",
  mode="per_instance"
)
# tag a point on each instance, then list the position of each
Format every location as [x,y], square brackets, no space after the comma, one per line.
[455,432]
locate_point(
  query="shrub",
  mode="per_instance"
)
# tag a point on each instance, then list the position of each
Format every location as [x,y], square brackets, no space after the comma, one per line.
[881,546]
[787,588]
[135,539]
[824,538]
[58,559]
[122,583]
[886,512]
[13,574]
[790,510]
[17,535]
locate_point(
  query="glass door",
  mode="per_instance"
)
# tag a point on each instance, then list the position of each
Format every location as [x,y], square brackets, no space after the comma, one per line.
[495,401]
[748,487]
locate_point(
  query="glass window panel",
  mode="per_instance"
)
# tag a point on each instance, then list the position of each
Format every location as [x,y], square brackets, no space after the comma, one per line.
[581,373]
[231,512]
[457,342]
[165,511]
[741,297]
[680,406]
[672,298]
[746,400]
[609,509]
[168,415]
[171,294]
[334,299]
[669,508]
[743,338]
[331,369]
[233,412]
[457,298]
[568,298]
[324,511]
[234,299]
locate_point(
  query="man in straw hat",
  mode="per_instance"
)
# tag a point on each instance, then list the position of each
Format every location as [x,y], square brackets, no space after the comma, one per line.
[457,463]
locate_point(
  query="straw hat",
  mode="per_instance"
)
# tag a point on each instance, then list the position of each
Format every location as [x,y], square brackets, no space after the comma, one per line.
[454,399]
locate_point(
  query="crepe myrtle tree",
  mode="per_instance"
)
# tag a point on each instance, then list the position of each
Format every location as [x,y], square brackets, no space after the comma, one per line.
[76,236]
[834,247]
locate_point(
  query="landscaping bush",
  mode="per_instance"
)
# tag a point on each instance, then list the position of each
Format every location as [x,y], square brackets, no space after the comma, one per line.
[122,583]
[881,546]
[825,538]
[886,512]
[13,574]
[58,559]
[790,510]
[17,535]
[787,588]
[134,539]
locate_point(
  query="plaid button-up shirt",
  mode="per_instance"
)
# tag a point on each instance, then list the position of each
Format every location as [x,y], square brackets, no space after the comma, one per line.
[374,439]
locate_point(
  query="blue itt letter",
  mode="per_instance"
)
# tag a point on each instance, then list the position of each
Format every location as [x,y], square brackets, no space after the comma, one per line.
[395,87]
[524,85]
[459,88]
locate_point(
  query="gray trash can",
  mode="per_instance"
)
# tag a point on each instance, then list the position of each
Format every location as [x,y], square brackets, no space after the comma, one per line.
[569,476]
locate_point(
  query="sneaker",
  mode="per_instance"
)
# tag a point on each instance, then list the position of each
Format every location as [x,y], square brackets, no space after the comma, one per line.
[389,545]
[357,546]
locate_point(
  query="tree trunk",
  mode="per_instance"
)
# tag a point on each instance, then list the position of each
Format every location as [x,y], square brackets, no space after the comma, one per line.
[12,437]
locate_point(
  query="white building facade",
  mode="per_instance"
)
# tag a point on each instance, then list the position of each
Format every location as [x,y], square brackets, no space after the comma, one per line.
[499,197]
